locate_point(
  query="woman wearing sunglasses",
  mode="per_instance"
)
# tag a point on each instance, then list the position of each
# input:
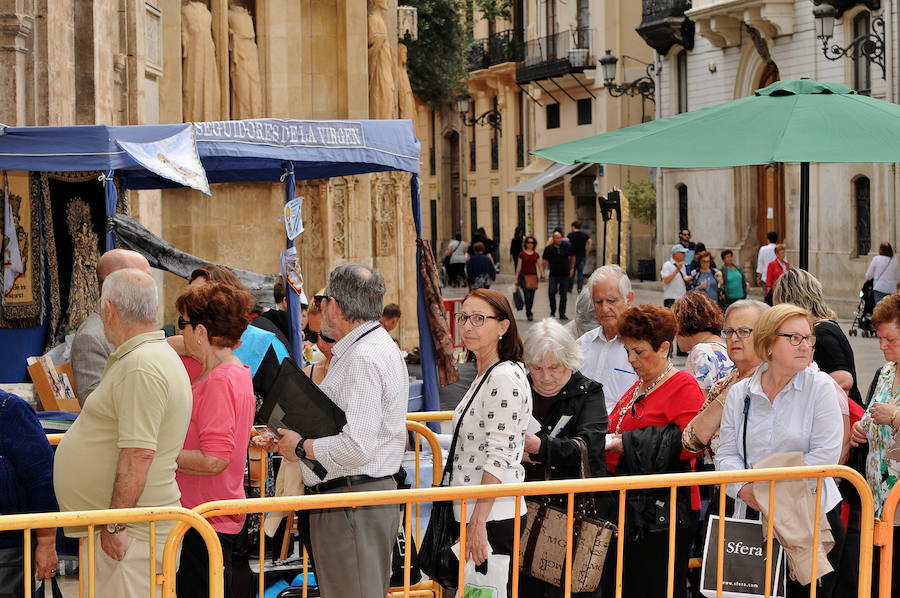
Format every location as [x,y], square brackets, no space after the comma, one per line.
[646,426]
[212,317]
[317,369]
[490,423]
[786,406]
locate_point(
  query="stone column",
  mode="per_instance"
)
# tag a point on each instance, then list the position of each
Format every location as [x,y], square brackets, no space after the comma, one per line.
[15,31]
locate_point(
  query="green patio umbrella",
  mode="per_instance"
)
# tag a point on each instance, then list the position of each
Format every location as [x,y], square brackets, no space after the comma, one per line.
[789,121]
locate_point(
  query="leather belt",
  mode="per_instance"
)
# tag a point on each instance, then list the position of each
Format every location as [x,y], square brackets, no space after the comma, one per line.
[345,482]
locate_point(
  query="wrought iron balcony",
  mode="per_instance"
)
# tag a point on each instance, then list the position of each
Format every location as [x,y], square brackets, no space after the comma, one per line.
[557,55]
[505,46]
[664,25]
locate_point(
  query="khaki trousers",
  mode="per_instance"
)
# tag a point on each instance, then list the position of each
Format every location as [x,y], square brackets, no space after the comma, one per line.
[352,547]
[130,577]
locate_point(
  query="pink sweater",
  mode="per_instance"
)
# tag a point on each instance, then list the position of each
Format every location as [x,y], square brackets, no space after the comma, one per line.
[223,412]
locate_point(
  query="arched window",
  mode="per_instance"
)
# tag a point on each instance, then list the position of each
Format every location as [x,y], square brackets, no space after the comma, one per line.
[682,207]
[862,204]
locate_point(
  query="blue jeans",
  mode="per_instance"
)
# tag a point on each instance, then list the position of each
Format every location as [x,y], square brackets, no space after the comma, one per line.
[579,273]
[878,296]
[562,284]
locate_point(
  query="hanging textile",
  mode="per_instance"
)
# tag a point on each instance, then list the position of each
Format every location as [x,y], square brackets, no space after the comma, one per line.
[434,307]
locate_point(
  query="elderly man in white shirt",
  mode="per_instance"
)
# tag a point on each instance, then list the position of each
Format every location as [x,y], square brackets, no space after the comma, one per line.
[766,254]
[605,358]
[368,380]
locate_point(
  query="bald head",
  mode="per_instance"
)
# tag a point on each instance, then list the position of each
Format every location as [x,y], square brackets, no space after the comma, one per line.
[119,259]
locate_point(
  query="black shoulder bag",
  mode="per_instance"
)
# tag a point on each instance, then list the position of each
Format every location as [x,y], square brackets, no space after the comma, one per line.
[436,559]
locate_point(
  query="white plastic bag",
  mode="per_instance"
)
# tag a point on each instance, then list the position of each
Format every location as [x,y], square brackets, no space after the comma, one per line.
[491,584]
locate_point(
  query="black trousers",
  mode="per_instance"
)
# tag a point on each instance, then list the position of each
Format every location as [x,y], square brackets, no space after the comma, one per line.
[828,583]
[895,567]
[193,570]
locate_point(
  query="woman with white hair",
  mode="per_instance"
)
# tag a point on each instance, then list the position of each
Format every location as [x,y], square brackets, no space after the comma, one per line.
[568,406]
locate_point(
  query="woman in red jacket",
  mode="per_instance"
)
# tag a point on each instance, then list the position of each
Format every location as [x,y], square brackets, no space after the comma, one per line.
[777,267]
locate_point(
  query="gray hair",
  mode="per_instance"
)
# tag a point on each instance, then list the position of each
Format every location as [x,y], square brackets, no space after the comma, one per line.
[134,294]
[550,337]
[358,290]
[585,316]
[611,271]
[742,303]
[801,288]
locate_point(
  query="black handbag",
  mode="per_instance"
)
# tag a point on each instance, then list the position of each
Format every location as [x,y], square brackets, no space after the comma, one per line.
[436,560]
[518,299]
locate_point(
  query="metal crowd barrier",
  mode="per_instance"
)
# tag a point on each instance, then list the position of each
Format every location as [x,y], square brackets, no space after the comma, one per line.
[569,488]
[884,537]
[184,519]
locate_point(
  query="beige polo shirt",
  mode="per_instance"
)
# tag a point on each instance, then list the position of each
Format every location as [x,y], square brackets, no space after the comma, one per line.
[143,401]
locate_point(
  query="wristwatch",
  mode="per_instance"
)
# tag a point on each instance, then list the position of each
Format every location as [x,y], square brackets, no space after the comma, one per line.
[114,528]
[299,450]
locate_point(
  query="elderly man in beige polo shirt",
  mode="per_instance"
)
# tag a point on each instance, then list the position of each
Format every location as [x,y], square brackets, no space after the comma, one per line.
[121,450]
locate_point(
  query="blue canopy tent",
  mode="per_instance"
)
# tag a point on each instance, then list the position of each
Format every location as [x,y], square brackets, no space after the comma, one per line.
[160,156]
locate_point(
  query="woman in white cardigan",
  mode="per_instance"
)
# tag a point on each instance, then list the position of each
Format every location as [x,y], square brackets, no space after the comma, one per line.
[495,412]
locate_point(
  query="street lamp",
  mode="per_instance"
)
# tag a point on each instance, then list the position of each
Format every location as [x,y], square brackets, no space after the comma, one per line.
[492,117]
[868,45]
[643,86]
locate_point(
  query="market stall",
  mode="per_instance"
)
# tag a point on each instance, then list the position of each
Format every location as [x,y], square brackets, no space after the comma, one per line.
[192,155]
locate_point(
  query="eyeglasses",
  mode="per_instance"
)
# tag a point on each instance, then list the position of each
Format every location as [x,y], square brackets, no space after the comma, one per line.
[476,319]
[686,234]
[739,332]
[313,336]
[796,339]
[182,323]
[317,300]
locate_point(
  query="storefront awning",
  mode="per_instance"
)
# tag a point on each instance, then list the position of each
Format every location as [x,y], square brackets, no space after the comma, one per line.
[548,176]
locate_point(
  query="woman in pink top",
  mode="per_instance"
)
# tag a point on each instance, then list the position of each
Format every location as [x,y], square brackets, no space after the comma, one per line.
[211,465]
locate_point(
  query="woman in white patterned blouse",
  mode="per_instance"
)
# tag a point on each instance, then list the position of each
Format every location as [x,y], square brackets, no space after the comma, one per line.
[495,412]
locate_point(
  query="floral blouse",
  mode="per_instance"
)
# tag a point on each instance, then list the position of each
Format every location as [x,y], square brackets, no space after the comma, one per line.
[881,473]
[708,363]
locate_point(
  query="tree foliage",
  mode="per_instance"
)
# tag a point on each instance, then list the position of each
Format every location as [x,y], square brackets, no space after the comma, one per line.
[494,9]
[641,197]
[436,62]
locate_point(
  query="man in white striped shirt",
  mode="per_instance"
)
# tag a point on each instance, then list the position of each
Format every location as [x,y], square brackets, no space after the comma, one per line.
[368,380]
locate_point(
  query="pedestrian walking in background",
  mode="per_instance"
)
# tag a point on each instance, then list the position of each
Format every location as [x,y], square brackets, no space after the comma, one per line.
[766,254]
[675,278]
[776,268]
[456,258]
[480,270]
[684,239]
[694,264]
[882,271]
[581,247]
[705,278]
[490,245]
[559,261]
[732,284]
[528,272]
[515,247]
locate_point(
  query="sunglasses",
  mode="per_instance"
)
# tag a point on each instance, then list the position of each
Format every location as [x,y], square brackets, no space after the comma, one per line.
[313,336]
[182,323]
[317,300]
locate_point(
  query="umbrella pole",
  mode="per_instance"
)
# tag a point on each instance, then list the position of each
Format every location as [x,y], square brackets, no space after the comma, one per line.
[804,215]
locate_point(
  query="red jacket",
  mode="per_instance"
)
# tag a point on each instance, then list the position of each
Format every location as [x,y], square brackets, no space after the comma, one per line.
[774,272]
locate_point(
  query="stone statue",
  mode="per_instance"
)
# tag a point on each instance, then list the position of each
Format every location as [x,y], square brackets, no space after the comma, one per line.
[246,91]
[382,89]
[406,102]
[201,93]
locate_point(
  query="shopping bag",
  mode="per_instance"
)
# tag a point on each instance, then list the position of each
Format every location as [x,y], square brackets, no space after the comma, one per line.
[518,300]
[744,563]
[489,579]
[398,558]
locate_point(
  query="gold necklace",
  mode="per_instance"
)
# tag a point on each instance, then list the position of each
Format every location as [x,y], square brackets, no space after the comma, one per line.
[635,397]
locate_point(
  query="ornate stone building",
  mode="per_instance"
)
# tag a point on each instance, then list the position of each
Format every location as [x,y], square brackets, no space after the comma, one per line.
[714,51]
[534,81]
[126,62]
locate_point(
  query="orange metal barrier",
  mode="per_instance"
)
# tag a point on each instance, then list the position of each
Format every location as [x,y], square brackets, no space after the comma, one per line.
[569,488]
[429,416]
[91,519]
[884,537]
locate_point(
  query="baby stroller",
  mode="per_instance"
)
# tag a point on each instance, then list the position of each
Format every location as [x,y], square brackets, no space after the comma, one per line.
[862,317]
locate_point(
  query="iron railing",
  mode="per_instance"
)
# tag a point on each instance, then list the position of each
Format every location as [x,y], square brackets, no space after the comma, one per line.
[554,55]
[505,46]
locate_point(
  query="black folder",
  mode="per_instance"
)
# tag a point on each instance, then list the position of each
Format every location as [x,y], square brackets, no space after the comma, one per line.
[295,402]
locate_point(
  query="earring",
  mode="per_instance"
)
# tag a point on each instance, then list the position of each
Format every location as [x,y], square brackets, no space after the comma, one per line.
[198,341]
[501,337]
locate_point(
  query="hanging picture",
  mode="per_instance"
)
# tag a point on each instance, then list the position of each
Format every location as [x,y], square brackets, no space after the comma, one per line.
[21,303]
